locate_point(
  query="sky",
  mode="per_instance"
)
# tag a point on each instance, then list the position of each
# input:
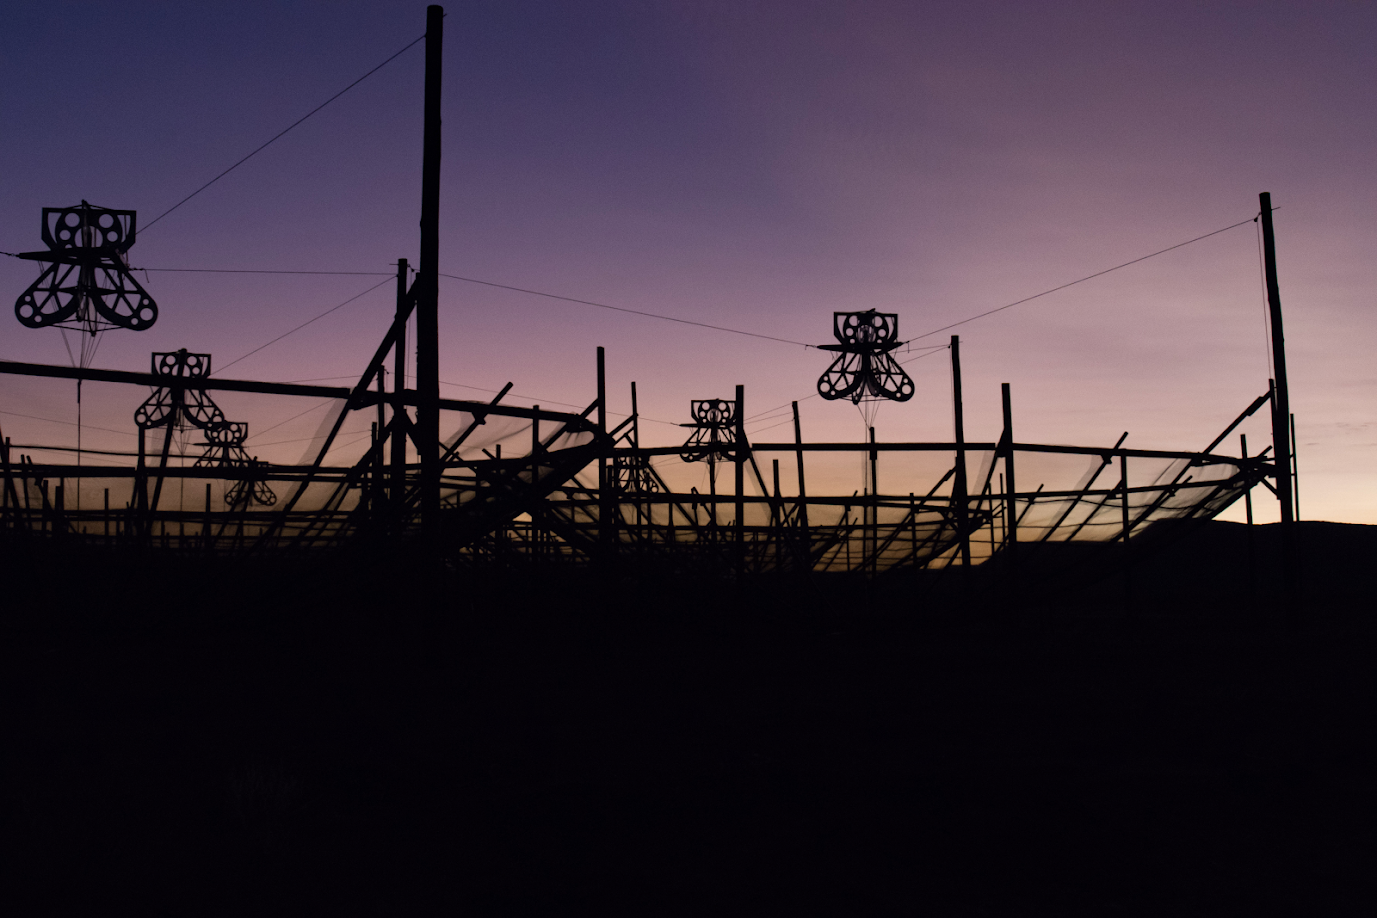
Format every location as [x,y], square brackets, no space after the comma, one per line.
[752,165]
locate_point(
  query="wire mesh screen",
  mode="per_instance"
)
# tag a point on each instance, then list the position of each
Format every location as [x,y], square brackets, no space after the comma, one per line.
[284,472]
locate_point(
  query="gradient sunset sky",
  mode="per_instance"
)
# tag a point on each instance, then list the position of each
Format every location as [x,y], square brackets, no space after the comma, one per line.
[754,165]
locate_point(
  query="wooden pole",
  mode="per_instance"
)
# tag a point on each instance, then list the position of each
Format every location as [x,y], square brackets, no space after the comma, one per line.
[1295,470]
[535,485]
[634,472]
[1281,414]
[779,498]
[1010,507]
[427,288]
[805,542]
[1248,494]
[712,493]
[1281,402]
[1248,507]
[375,472]
[776,518]
[378,491]
[9,484]
[28,508]
[1124,522]
[606,503]
[740,530]
[959,487]
[141,481]
[1123,496]
[874,504]
[913,529]
[1003,526]
[400,418]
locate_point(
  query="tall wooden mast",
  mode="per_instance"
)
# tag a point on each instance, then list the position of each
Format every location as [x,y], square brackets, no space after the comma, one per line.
[427,285]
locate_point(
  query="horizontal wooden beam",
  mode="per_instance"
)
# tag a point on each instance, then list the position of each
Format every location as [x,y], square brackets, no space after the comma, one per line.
[951,447]
[15,368]
[264,472]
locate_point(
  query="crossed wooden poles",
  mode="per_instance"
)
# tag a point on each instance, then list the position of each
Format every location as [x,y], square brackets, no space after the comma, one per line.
[545,505]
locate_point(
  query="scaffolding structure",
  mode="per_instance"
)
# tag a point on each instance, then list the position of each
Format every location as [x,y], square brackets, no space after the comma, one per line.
[569,489]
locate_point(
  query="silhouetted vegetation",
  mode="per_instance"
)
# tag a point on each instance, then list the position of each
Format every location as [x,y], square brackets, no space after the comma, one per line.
[326,737]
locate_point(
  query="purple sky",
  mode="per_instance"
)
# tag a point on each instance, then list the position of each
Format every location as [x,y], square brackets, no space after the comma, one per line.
[754,165]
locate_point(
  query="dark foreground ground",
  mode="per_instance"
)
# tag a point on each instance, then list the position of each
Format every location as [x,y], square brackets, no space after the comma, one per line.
[350,739]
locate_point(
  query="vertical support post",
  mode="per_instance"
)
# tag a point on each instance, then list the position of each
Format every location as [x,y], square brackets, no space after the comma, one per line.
[874,504]
[670,536]
[1124,533]
[634,471]
[205,526]
[9,482]
[959,486]
[141,482]
[1281,401]
[28,507]
[374,473]
[1008,485]
[606,501]
[777,511]
[400,418]
[106,515]
[178,411]
[913,530]
[246,501]
[1248,507]
[1281,413]
[534,512]
[1123,496]
[378,491]
[1010,504]
[777,519]
[1295,470]
[805,541]
[1003,517]
[712,492]
[739,534]
[1248,494]
[427,287]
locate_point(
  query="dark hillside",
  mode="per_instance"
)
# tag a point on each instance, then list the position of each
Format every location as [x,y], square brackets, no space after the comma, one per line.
[327,738]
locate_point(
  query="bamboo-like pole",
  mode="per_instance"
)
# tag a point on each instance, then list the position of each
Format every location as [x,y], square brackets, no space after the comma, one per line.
[427,287]
[739,530]
[1010,504]
[1281,402]
[801,512]
[1126,526]
[399,415]
[607,507]
[959,487]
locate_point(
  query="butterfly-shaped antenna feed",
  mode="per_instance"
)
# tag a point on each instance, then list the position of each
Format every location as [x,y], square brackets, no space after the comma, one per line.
[632,475]
[865,368]
[170,402]
[714,431]
[225,450]
[86,284]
